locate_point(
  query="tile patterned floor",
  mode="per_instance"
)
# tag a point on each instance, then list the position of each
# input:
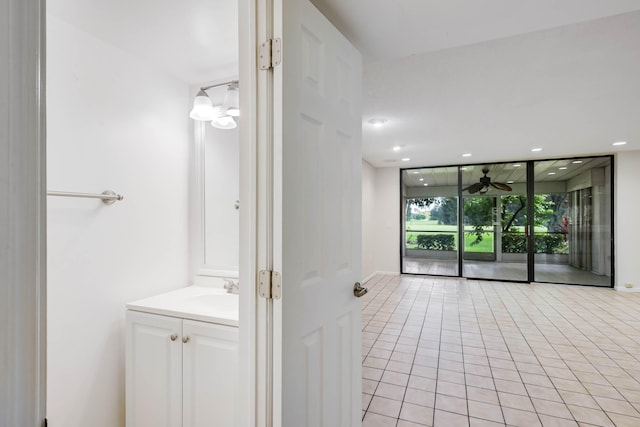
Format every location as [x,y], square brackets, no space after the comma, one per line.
[449,352]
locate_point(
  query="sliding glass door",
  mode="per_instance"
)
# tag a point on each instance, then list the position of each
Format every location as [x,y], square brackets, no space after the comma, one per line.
[495,221]
[536,221]
[430,221]
[572,241]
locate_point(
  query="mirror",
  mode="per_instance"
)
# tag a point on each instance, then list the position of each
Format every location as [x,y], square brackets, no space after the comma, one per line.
[215,200]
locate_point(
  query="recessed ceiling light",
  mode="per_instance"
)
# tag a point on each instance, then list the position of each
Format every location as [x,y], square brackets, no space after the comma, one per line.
[466,155]
[425,184]
[563,168]
[619,143]
[536,149]
[406,159]
[376,123]
[396,148]
[421,179]
[551,173]
[517,165]
[577,162]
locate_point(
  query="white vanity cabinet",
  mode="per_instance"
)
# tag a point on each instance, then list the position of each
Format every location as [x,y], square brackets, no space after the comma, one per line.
[180,372]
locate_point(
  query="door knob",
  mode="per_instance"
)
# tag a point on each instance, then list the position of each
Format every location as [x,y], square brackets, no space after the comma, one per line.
[358,290]
[173,337]
[185,339]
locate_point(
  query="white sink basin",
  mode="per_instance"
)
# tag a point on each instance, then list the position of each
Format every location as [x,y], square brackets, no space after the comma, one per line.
[205,304]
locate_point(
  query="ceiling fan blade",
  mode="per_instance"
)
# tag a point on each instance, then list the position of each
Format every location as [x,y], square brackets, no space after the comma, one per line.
[501,186]
[474,188]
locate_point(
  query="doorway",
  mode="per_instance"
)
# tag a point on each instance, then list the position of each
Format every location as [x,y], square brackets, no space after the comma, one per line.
[528,221]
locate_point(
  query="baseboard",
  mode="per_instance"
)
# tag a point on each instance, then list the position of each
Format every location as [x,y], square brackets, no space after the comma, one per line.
[623,289]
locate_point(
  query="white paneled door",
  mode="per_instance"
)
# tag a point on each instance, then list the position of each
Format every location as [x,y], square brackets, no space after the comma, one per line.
[317,231]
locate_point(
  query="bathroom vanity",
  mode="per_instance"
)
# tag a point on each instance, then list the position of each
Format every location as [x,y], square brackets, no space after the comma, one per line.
[182,359]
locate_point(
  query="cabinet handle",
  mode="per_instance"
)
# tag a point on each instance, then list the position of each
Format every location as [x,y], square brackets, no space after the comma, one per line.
[173,337]
[185,340]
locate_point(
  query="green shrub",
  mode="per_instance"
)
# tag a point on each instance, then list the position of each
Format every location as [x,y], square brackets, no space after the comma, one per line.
[544,243]
[436,242]
[514,243]
[419,217]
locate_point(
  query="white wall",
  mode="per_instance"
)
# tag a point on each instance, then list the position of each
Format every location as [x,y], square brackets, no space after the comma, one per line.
[627,207]
[387,220]
[369,266]
[116,123]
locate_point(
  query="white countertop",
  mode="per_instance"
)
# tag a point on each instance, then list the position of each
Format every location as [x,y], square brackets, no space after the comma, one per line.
[205,304]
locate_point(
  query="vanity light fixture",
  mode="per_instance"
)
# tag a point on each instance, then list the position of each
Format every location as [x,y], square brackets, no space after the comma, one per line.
[221,116]
[396,148]
[467,155]
[620,143]
[406,159]
[231,105]
[535,150]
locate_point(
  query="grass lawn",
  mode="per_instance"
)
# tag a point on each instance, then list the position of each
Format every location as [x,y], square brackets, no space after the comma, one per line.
[428,226]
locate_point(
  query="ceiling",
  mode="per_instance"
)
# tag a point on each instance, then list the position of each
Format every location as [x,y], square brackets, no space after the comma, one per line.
[383,29]
[193,40]
[492,78]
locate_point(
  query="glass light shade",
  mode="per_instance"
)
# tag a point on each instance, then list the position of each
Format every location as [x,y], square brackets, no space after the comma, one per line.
[224,122]
[202,108]
[231,105]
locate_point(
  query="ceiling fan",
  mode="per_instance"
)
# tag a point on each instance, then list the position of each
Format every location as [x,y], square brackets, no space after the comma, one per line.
[485,183]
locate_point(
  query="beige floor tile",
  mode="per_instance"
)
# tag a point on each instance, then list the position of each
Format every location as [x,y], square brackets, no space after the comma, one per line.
[451,404]
[555,409]
[518,418]
[549,421]
[546,393]
[592,416]
[624,420]
[482,395]
[416,413]
[617,406]
[390,391]
[420,397]
[403,423]
[485,411]
[516,401]
[510,387]
[376,420]
[396,378]
[579,399]
[449,419]
[383,406]
[480,381]
[477,422]
[422,383]
[451,389]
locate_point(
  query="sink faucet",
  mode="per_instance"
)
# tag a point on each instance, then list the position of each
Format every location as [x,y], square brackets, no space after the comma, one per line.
[231,287]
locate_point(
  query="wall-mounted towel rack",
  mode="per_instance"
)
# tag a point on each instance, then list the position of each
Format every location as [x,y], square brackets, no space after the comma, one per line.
[108,197]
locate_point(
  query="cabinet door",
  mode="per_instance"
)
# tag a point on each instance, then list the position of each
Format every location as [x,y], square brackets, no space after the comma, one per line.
[210,370]
[153,370]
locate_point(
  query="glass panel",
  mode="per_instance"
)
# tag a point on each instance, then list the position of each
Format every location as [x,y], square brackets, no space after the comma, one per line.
[430,221]
[573,221]
[494,208]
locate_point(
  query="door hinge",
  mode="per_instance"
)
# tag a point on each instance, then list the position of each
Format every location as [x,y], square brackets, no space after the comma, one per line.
[269,284]
[270,54]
